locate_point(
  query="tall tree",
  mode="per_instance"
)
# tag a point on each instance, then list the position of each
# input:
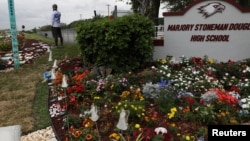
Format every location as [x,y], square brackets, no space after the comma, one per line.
[177,5]
[148,8]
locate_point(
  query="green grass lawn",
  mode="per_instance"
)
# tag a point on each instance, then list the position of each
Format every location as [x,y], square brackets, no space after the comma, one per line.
[23,96]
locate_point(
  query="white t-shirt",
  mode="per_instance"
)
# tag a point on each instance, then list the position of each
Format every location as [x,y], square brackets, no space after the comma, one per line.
[55,19]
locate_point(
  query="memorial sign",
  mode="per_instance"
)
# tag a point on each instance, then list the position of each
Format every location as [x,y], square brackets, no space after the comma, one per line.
[219,29]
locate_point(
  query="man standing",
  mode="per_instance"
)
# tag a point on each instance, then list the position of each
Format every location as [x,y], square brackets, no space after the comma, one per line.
[55,25]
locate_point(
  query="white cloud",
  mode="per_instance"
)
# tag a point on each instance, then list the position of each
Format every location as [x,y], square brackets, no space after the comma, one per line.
[36,13]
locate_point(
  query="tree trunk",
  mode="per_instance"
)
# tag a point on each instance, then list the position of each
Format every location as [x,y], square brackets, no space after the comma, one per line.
[149,8]
[155,8]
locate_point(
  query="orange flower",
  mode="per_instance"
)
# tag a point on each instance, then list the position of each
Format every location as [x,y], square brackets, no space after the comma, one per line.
[77,133]
[89,137]
[187,109]
[146,118]
[80,76]
[233,121]
[59,76]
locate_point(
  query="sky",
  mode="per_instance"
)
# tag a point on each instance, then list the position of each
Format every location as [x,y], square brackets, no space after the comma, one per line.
[36,13]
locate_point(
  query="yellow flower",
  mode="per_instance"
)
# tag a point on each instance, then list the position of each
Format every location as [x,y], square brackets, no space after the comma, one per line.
[141,98]
[187,138]
[170,115]
[97,97]
[172,124]
[112,86]
[223,114]
[114,136]
[137,126]
[173,109]
[87,125]
[161,60]
[211,61]
[125,94]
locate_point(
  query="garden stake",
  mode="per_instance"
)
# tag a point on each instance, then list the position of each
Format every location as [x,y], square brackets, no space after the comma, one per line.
[98,131]
[64,86]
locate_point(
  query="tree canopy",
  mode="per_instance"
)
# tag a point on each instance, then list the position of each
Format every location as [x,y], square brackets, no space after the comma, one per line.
[150,8]
[177,5]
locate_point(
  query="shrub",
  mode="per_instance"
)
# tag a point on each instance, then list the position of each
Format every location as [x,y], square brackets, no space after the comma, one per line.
[123,44]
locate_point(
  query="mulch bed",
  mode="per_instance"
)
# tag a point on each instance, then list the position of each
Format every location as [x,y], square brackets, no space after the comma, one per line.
[31,50]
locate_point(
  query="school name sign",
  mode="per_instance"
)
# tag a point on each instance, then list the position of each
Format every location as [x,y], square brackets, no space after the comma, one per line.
[209,27]
[219,29]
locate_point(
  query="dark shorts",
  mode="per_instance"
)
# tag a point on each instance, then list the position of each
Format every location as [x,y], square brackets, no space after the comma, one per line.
[56,32]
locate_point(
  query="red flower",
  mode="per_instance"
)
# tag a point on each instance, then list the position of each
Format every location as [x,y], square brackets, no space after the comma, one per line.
[234,89]
[147,133]
[230,61]
[223,96]
[72,98]
[188,99]
[78,88]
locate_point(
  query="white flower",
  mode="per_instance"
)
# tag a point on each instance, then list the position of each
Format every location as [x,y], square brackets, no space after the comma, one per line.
[245,106]
[59,98]
[80,115]
[168,75]
[161,130]
[243,100]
